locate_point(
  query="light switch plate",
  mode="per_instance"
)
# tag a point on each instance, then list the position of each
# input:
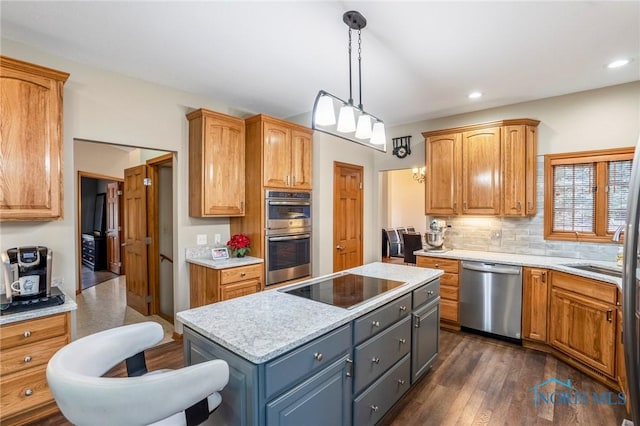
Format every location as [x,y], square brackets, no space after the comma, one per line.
[201,239]
[217,239]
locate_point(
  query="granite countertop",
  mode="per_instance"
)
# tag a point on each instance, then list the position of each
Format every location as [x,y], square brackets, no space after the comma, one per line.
[562,264]
[68,305]
[232,262]
[261,326]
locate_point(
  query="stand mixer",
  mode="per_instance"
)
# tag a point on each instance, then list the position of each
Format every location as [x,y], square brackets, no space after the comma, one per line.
[435,235]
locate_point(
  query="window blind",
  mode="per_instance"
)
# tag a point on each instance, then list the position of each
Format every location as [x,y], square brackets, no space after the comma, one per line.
[574,198]
[618,176]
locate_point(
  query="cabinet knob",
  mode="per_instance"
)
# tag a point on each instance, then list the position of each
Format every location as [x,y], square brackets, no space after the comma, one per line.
[437,265]
[242,274]
[27,358]
[318,356]
[375,360]
[375,323]
[403,308]
[519,207]
[374,408]
[28,392]
[430,293]
[402,341]
[27,333]
[401,382]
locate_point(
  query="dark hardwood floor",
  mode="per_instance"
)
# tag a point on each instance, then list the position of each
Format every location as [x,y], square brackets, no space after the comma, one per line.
[475,381]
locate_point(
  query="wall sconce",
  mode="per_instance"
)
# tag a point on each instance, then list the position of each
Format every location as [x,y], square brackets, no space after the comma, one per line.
[418,174]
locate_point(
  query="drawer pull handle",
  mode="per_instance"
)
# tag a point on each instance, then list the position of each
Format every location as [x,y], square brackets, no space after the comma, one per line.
[430,293]
[376,323]
[374,408]
[318,356]
[609,318]
[27,358]
[375,360]
[27,334]
[437,266]
[402,341]
[28,392]
[400,382]
[242,274]
[403,308]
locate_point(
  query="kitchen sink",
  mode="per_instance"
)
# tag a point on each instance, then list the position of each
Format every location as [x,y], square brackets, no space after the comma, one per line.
[598,270]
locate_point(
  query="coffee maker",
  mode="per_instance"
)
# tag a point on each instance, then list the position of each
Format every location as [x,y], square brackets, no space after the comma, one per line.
[29,269]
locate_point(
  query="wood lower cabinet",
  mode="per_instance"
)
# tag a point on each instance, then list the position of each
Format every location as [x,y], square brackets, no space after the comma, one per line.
[216,164]
[482,169]
[535,293]
[582,322]
[31,134]
[27,347]
[209,285]
[449,288]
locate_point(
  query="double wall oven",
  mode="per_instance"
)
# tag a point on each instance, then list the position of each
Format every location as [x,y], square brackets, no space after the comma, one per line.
[288,235]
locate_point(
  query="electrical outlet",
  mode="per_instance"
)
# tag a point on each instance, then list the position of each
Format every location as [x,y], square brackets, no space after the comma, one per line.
[217,239]
[201,239]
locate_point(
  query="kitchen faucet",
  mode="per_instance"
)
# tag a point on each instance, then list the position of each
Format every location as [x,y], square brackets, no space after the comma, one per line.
[616,235]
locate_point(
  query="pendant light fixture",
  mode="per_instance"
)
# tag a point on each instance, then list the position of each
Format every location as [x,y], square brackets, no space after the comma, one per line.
[354,123]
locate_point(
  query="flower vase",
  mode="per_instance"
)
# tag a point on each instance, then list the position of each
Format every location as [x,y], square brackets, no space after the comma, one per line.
[240,254]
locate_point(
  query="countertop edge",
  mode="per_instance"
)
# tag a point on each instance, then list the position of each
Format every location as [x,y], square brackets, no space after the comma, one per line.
[233,262]
[67,306]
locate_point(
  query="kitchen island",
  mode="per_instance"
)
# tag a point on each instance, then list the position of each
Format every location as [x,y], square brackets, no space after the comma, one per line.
[296,360]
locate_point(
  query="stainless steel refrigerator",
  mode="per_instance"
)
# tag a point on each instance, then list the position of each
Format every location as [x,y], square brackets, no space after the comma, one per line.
[631,291]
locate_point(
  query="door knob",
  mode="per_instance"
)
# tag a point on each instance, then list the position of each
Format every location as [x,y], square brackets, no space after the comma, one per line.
[339,247]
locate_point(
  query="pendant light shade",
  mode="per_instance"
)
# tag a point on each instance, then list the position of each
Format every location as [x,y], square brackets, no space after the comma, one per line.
[346,120]
[363,131]
[325,114]
[378,137]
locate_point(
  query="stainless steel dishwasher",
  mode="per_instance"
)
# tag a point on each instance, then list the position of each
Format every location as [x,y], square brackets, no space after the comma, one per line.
[491,298]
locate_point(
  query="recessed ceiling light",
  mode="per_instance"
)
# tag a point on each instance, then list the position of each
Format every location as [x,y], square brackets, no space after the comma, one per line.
[474,95]
[619,63]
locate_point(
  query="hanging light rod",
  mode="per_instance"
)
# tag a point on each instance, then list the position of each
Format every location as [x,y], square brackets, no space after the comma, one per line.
[369,130]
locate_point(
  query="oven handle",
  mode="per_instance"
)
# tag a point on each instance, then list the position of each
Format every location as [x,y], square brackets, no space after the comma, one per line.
[290,237]
[288,203]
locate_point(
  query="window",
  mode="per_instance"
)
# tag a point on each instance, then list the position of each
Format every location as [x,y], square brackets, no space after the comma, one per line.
[586,194]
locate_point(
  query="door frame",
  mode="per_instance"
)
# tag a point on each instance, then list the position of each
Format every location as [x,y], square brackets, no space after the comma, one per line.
[80,175]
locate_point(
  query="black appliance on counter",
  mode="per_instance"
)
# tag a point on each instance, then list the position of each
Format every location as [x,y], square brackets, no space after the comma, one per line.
[28,261]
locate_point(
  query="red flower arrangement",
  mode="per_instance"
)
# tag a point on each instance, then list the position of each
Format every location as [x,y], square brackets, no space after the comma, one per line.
[239,245]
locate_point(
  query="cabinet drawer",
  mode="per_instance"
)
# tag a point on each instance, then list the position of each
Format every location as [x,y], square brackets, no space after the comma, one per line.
[449,310]
[240,274]
[369,407]
[29,356]
[449,279]
[379,353]
[376,321]
[449,292]
[447,265]
[31,331]
[426,293]
[88,243]
[24,391]
[585,286]
[290,368]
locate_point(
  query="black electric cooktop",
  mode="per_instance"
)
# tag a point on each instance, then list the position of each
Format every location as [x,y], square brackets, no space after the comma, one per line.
[345,291]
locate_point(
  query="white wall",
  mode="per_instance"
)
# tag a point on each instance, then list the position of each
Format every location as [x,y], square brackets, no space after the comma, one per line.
[405,201]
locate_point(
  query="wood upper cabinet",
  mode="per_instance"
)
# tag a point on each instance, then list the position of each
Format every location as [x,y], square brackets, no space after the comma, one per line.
[483,169]
[216,164]
[287,154]
[30,141]
[442,171]
[582,321]
[535,294]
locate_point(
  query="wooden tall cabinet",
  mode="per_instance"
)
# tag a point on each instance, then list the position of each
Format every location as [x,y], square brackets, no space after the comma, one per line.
[535,292]
[482,169]
[216,164]
[31,132]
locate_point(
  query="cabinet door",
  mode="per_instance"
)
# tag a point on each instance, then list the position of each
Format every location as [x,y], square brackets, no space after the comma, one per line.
[31,134]
[223,174]
[531,170]
[301,154]
[425,338]
[481,171]
[534,304]
[277,155]
[584,328]
[242,288]
[442,170]
[513,170]
[323,399]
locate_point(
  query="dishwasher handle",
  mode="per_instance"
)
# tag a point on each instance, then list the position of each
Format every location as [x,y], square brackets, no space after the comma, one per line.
[492,268]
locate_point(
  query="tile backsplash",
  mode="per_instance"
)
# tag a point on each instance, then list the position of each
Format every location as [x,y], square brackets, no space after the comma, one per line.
[519,235]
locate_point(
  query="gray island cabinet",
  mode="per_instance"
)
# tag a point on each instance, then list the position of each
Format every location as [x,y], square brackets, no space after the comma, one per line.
[294,361]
